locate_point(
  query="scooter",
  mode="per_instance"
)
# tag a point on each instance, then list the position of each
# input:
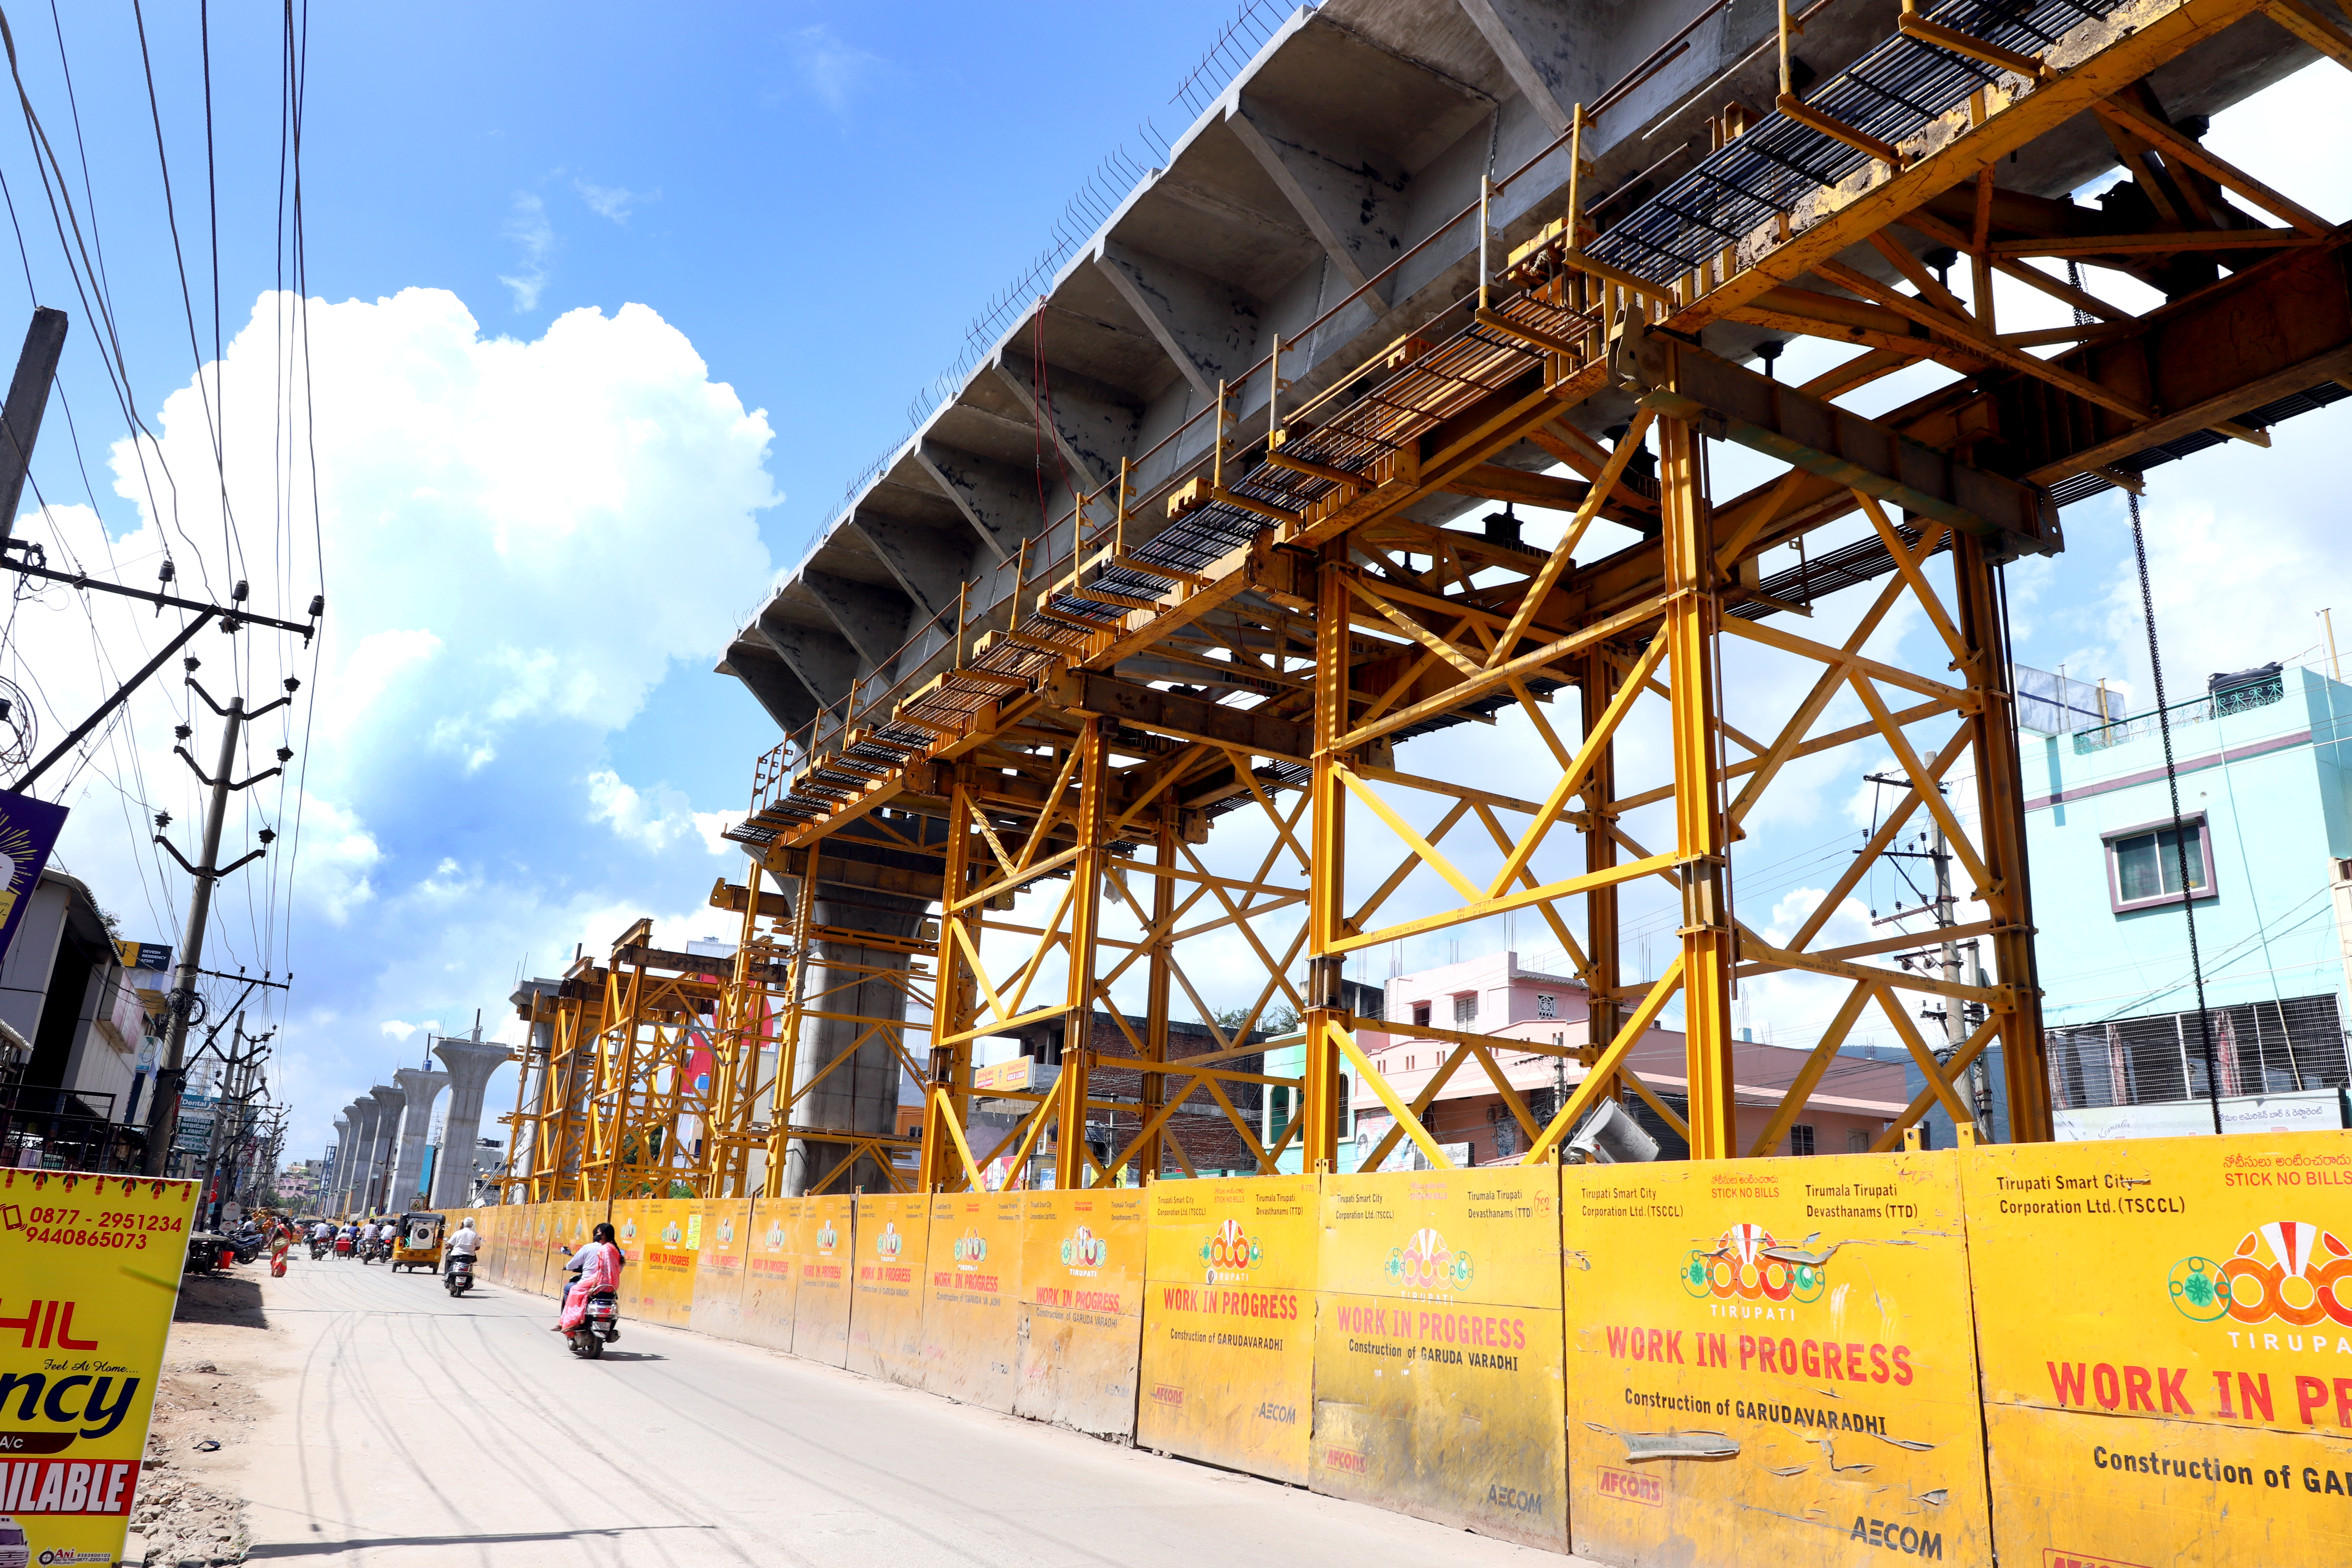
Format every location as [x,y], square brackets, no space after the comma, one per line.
[460,1278]
[599,1327]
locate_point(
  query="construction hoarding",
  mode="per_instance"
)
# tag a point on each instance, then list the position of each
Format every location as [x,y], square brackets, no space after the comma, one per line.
[1228,1364]
[1438,1348]
[664,1251]
[821,1306]
[886,1326]
[971,1287]
[779,1235]
[1081,1308]
[1772,1362]
[2168,1348]
[90,1271]
[718,1268]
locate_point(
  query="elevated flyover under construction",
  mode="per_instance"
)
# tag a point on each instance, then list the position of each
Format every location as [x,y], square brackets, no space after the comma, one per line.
[1139,657]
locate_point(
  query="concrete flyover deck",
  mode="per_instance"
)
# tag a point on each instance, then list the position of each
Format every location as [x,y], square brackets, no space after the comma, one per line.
[408,1428]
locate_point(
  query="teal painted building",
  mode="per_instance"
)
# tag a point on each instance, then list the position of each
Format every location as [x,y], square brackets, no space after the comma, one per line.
[2261,759]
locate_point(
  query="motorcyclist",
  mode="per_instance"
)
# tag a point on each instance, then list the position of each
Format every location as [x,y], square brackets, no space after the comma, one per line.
[463,1242]
[596,1266]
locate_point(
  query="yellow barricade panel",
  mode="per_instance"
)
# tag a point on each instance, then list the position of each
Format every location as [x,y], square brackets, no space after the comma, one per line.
[971,1287]
[2166,1333]
[1771,1361]
[87,1264]
[632,1227]
[673,1244]
[1228,1365]
[490,1261]
[886,1325]
[573,1226]
[1081,1322]
[772,1268]
[1438,1382]
[821,1307]
[718,1268]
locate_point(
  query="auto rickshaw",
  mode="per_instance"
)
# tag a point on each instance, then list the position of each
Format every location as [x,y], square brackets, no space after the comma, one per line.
[417,1244]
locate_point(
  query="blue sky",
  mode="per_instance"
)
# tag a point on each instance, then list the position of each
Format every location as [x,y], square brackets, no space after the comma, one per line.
[607,306]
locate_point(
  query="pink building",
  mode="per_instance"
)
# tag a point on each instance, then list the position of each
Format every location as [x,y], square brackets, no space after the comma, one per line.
[1860,1094]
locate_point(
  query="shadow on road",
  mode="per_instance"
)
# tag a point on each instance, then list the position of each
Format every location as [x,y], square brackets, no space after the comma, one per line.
[220,1299]
[328,1548]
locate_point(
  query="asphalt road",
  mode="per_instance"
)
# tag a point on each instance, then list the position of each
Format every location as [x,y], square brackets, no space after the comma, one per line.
[402,1428]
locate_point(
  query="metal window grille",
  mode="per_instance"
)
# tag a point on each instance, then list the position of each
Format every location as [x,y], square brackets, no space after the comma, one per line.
[1801,1139]
[2259,1048]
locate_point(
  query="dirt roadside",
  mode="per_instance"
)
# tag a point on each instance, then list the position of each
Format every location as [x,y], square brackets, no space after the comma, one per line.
[189,1508]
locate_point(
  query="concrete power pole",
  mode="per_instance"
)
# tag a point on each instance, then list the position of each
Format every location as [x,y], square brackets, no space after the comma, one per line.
[163,1118]
[1955,1012]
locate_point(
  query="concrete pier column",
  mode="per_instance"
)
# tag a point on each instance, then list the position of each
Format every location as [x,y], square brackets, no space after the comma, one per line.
[470,1064]
[374,1177]
[361,1114]
[423,1086]
[334,1165]
[862,1095]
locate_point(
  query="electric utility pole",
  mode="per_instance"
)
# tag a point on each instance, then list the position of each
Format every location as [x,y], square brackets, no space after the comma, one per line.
[164,1118]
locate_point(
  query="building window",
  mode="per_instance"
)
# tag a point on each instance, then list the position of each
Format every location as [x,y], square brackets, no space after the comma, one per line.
[1465,1008]
[1421,1012]
[1801,1139]
[2144,863]
[1408,1064]
[1547,1005]
[1857,1142]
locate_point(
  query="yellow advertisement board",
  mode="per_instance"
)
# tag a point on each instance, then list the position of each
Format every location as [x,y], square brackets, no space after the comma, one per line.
[1080,1330]
[885,1322]
[719,1269]
[821,1307]
[971,1287]
[90,1271]
[779,1235]
[666,1254]
[1228,1365]
[1438,1382]
[2166,1326]
[629,1220]
[1771,1361]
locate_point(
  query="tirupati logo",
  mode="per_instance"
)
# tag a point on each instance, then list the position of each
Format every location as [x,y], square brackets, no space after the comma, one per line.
[970,1248]
[1745,1264]
[776,1235]
[1426,1263]
[1083,1251]
[671,1234]
[628,1230]
[725,1231]
[2295,1273]
[889,1244]
[1228,1252]
[827,1238]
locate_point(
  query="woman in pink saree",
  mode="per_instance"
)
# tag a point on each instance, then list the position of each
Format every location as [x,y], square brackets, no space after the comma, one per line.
[599,1264]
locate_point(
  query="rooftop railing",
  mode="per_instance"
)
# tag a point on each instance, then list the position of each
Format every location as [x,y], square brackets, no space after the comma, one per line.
[2197,711]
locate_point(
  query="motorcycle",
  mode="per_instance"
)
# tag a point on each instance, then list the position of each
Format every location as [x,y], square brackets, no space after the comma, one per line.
[599,1327]
[460,1278]
[370,1251]
[317,1249]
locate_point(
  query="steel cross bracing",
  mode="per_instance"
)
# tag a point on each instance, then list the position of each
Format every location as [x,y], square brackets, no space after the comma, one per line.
[1248,645]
